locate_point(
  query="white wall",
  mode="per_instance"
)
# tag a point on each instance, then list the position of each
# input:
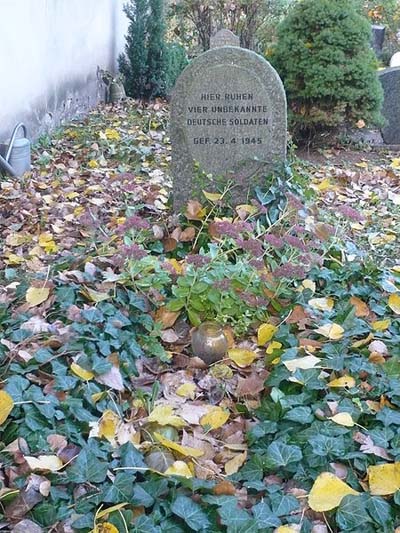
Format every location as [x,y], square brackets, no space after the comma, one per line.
[49,54]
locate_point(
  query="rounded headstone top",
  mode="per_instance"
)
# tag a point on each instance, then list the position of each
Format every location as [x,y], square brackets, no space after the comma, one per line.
[395,60]
[224,38]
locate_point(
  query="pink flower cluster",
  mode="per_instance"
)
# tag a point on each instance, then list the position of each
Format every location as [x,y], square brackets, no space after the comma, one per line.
[232,229]
[133,222]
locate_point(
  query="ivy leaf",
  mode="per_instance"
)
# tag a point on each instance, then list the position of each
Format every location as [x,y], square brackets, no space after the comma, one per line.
[264,516]
[121,489]
[87,468]
[191,513]
[281,454]
[380,511]
[232,515]
[283,505]
[352,513]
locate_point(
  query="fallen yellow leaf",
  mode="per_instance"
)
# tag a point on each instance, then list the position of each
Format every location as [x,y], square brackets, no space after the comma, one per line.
[242,357]
[344,381]
[322,304]
[215,418]
[381,325]
[179,468]
[36,296]
[246,208]
[176,265]
[112,134]
[309,284]
[50,463]
[13,259]
[343,419]
[183,450]
[274,345]
[6,406]
[362,342]
[302,363]
[324,185]
[163,415]
[86,375]
[232,466]
[93,163]
[395,163]
[265,333]
[292,528]
[16,239]
[108,425]
[109,510]
[105,527]
[94,296]
[333,332]
[384,479]
[327,492]
[394,303]
[46,242]
[187,390]
[212,196]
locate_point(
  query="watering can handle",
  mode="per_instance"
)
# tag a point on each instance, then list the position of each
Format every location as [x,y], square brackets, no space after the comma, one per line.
[13,137]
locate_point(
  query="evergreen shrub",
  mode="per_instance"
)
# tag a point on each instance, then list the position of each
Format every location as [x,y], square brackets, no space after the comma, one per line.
[176,61]
[329,70]
[150,65]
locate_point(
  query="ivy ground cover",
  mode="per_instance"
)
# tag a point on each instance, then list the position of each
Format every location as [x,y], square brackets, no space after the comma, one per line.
[109,424]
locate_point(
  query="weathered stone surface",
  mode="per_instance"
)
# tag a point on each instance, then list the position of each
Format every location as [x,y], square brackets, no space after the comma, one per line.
[395,60]
[390,79]
[228,114]
[224,38]
[378,38]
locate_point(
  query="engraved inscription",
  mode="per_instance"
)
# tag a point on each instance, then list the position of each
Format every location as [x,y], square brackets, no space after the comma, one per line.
[233,126]
[228,120]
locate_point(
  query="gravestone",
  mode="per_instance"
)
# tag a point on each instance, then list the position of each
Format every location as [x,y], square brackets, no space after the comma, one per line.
[224,38]
[390,80]
[228,114]
[378,38]
[395,60]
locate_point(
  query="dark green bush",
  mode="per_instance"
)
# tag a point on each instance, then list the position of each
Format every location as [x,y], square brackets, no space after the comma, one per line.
[176,61]
[156,56]
[150,65]
[328,68]
[133,64]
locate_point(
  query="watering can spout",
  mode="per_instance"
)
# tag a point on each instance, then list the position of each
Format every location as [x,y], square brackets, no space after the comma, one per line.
[16,155]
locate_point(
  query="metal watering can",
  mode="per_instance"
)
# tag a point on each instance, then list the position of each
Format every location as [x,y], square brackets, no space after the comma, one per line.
[15,157]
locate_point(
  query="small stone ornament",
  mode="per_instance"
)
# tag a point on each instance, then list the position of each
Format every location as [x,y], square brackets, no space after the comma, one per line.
[209,342]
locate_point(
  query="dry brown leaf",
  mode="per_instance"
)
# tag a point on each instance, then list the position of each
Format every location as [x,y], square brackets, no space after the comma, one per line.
[165,317]
[368,446]
[187,235]
[250,386]
[194,210]
[361,307]
[224,488]
[232,466]
[112,379]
